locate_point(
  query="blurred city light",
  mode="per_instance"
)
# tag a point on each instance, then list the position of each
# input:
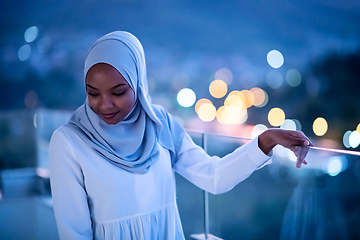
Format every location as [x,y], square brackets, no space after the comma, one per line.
[31,99]
[298,124]
[358,128]
[225,75]
[258,129]
[38,120]
[44,44]
[231,115]
[293,77]
[247,97]
[24,52]
[354,139]
[260,97]
[275,59]
[274,79]
[31,34]
[219,115]
[218,88]
[346,139]
[207,112]
[288,124]
[336,165]
[186,97]
[320,126]
[276,117]
[201,102]
[233,100]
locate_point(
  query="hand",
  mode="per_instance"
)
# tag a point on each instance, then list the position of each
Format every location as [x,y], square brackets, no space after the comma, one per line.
[296,141]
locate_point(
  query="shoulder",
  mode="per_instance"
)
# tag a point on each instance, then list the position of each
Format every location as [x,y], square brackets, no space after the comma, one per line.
[161,112]
[64,135]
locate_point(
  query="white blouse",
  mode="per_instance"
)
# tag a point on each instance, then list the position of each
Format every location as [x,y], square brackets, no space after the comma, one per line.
[93,199]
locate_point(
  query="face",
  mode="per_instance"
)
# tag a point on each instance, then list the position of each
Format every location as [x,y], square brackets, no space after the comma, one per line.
[110,96]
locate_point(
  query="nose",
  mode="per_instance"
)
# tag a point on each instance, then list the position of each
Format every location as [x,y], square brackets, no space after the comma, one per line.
[106,103]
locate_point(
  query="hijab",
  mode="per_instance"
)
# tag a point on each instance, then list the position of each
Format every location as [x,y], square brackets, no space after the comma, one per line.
[133,143]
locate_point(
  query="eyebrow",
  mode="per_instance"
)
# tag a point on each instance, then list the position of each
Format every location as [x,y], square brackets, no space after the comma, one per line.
[121,84]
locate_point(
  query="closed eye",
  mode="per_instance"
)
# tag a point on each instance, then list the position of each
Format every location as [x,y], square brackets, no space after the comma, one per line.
[119,94]
[93,94]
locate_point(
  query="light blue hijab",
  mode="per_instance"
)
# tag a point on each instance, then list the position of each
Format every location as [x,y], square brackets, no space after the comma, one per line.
[133,143]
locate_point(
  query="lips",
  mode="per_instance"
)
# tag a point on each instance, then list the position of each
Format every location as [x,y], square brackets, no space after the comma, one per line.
[109,115]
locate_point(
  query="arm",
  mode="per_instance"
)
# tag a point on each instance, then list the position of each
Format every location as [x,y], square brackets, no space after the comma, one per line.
[218,175]
[68,191]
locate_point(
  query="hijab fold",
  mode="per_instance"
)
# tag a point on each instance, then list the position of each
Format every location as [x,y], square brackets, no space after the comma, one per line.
[133,143]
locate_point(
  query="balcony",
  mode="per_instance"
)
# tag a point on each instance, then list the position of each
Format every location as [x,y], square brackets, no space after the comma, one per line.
[319,201]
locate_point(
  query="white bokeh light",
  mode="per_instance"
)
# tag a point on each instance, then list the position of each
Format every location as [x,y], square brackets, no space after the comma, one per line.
[186,97]
[288,124]
[334,166]
[275,59]
[346,141]
[24,52]
[31,34]
[354,139]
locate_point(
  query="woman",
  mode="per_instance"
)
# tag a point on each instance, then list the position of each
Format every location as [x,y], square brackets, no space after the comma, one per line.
[112,164]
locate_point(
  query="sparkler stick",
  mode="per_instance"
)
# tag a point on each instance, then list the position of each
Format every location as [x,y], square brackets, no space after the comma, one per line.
[335,150]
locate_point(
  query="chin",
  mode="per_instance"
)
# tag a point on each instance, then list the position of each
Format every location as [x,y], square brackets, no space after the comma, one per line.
[111,122]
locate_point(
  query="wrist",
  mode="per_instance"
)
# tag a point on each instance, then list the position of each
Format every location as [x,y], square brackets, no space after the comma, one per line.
[266,142]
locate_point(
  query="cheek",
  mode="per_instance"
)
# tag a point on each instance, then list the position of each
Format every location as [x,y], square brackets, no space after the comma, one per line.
[93,104]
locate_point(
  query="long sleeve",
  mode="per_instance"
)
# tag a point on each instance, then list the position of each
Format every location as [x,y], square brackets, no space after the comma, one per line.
[68,191]
[218,175]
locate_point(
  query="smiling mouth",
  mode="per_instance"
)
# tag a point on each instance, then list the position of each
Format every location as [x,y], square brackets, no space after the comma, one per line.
[109,115]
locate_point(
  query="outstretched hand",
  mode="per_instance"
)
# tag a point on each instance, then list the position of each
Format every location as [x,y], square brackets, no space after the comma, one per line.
[293,140]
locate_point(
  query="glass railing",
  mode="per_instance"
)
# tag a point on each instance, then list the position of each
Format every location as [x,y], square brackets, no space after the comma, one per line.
[279,201]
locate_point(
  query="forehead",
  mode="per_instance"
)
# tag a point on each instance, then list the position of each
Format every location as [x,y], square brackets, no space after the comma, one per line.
[104,74]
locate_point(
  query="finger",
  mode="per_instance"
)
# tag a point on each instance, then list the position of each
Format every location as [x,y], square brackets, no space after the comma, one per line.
[300,139]
[298,163]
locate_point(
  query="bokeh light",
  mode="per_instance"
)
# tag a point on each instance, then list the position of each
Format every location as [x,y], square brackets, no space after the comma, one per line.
[219,115]
[358,128]
[354,139]
[288,124]
[218,88]
[225,75]
[24,52]
[334,166]
[201,102]
[247,97]
[276,117]
[44,44]
[275,59]
[320,126]
[258,129]
[274,79]
[293,77]
[231,115]
[298,124]
[259,96]
[346,139]
[233,100]
[31,99]
[31,34]
[207,112]
[186,97]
